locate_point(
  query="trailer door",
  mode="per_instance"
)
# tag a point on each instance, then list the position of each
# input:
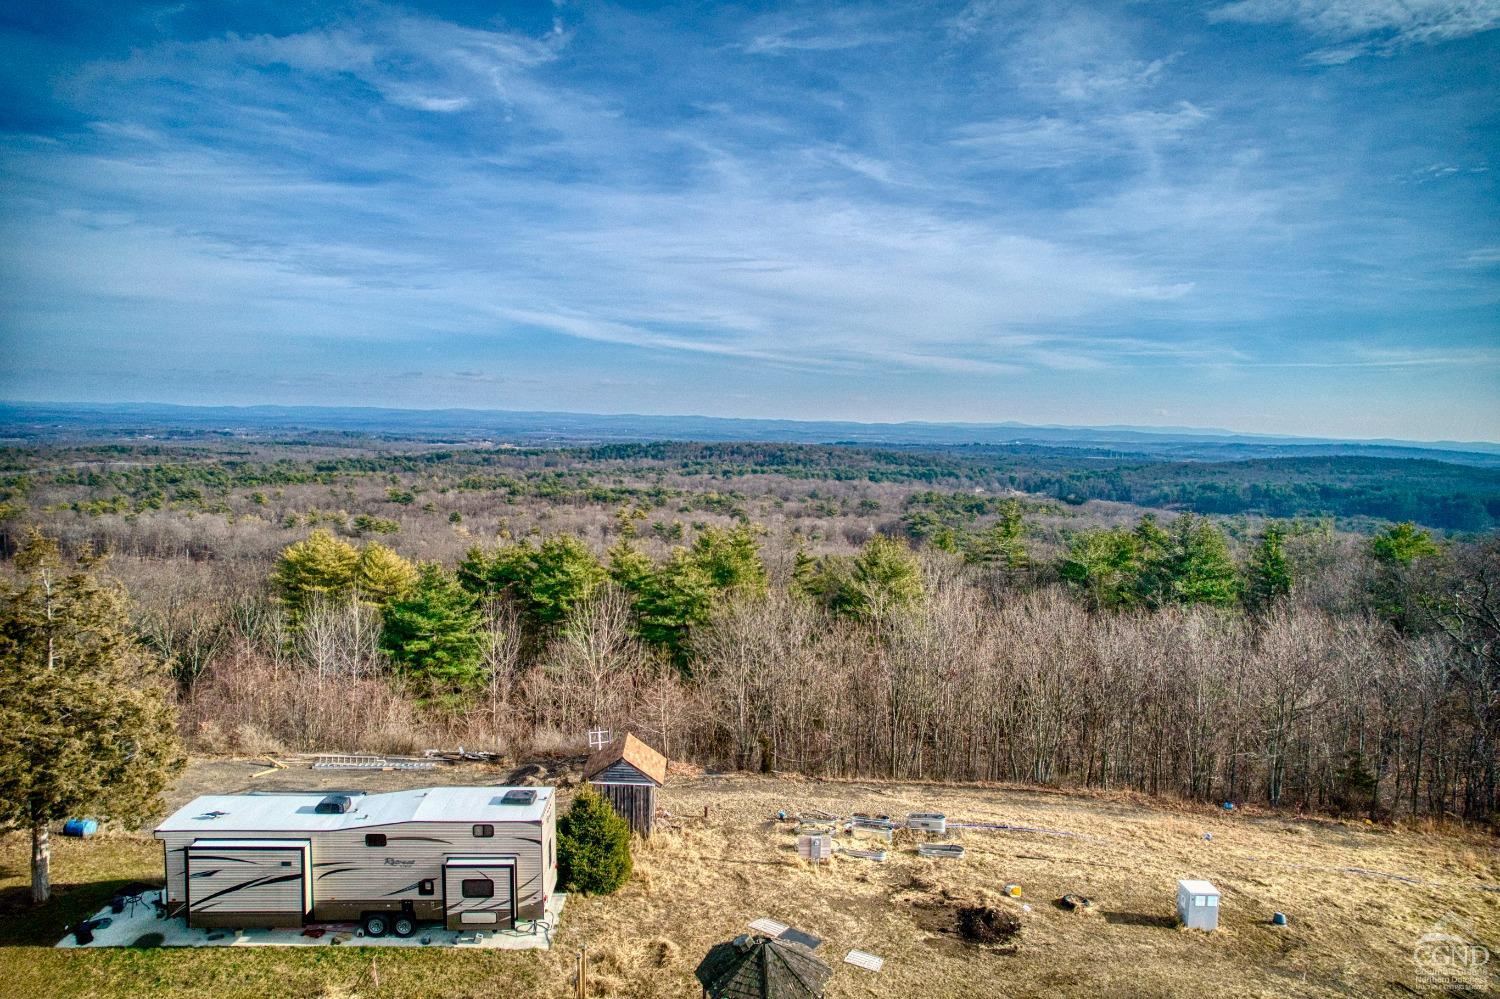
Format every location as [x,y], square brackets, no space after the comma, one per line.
[248,882]
[479,892]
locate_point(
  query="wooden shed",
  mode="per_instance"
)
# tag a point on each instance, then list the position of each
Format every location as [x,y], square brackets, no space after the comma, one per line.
[628,772]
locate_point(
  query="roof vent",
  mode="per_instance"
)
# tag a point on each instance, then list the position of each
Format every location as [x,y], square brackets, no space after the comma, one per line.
[334,804]
[518,797]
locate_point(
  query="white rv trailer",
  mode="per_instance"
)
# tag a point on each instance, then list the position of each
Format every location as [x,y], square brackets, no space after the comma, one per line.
[469,857]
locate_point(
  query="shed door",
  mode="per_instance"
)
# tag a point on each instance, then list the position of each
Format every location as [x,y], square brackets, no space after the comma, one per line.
[480,892]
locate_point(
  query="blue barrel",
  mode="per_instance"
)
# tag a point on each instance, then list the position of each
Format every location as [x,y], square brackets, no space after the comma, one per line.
[80,827]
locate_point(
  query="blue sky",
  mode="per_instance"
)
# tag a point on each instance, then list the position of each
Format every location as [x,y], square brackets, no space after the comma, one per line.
[1267,215]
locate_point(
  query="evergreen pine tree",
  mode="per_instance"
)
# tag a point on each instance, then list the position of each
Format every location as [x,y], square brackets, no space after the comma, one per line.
[1400,552]
[806,575]
[882,578]
[434,634]
[671,600]
[320,566]
[1002,543]
[548,581]
[593,846]
[1153,563]
[731,559]
[1198,566]
[382,576]
[1105,565]
[1268,575]
[86,727]
[567,574]
[1402,544]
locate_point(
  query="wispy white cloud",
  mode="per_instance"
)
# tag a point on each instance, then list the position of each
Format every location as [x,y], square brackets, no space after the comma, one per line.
[1362,27]
[1061,140]
[837,29]
[1009,200]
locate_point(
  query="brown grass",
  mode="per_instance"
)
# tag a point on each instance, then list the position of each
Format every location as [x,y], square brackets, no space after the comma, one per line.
[700,881]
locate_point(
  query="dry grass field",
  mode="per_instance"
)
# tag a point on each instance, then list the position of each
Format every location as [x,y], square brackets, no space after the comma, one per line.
[1357,897]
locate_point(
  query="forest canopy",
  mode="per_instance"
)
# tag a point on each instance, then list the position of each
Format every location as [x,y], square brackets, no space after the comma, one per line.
[916,613]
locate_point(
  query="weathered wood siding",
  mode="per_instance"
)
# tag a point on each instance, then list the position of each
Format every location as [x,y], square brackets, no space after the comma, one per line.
[635,802]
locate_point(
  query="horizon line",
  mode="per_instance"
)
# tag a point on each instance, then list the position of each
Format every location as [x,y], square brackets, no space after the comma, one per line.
[1149,429]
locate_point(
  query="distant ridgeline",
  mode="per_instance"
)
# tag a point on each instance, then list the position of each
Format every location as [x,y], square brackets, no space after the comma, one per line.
[1450,487]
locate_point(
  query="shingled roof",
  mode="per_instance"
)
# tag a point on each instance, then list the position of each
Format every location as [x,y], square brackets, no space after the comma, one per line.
[761,968]
[628,749]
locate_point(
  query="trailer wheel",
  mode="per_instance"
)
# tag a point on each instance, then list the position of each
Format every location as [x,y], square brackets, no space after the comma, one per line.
[403,926]
[376,924]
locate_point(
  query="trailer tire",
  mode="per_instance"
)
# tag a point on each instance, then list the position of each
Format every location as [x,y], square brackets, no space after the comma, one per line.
[376,924]
[403,926]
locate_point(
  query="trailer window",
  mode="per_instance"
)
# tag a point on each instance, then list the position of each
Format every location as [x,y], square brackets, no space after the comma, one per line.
[426,887]
[478,888]
[374,839]
[484,832]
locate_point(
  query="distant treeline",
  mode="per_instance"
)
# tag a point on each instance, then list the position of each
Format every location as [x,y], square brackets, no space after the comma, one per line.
[1436,494]
[1433,493]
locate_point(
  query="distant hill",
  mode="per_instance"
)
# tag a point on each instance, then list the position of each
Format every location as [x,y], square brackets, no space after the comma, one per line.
[64,421]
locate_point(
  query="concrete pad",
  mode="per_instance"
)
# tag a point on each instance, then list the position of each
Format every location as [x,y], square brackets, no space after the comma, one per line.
[128,927]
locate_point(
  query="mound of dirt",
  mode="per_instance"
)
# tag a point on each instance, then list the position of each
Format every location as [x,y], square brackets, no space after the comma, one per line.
[983,925]
[529,775]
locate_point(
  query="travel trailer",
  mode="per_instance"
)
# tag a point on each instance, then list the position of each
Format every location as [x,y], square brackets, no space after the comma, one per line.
[468,857]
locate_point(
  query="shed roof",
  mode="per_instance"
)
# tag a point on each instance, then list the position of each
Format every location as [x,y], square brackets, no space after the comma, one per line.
[628,749]
[757,967]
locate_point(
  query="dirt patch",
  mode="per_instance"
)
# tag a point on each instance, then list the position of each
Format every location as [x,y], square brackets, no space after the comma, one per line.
[980,924]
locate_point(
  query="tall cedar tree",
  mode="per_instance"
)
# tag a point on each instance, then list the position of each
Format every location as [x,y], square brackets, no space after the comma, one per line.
[86,727]
[1268,575]
[435,635]
[593,846]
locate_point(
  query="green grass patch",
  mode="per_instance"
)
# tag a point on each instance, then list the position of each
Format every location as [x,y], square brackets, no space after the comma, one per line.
[88,872]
